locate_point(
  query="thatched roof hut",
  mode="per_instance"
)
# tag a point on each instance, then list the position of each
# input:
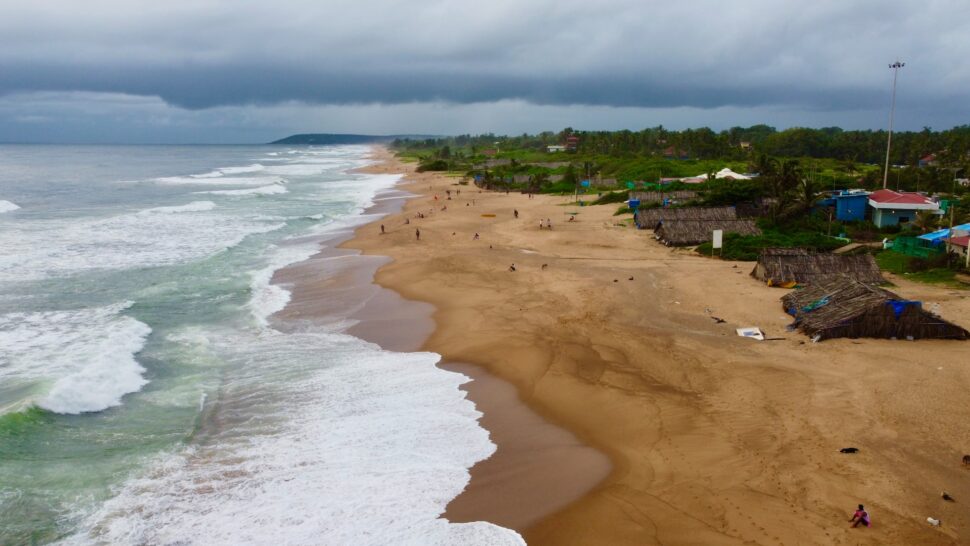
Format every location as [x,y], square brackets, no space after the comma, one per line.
[790,266]
[652,218]
[844,307]
[695,232]
[659,196]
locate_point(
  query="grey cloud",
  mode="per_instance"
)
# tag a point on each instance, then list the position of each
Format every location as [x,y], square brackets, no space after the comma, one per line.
[821,55]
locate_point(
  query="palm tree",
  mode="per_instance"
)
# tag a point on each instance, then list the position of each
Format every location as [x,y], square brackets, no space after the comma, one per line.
[536,182]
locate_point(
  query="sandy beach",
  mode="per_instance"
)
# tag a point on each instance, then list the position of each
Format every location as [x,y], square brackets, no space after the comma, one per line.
[710,438]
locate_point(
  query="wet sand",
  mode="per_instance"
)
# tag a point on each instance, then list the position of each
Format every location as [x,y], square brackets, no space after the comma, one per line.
[537,469]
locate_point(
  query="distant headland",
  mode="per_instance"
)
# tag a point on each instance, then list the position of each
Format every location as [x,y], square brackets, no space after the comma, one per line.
[324,139]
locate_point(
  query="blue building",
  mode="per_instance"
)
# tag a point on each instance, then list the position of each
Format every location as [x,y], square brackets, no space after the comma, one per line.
[851,206]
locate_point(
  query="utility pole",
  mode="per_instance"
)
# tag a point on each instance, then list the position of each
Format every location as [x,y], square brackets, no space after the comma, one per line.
[892,111]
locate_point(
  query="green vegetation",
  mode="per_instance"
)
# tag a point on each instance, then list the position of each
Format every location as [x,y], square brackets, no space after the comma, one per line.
[794,167]
[747,248]
[927,270]
[611,197]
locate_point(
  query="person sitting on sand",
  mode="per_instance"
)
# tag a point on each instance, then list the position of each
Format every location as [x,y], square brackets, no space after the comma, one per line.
[860,516]
[572,218]
[512,267]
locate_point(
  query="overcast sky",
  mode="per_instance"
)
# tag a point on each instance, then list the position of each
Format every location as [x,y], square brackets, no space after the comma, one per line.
[252,71]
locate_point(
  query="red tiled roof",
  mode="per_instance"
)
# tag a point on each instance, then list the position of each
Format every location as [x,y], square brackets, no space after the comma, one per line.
[960,241]
[899,198]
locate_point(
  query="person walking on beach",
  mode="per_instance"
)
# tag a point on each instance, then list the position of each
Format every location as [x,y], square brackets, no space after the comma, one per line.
[512,267]
[860,516]
[548,223]
[476,237]
[417,233]
[515,212]
[382,229]
[540,224]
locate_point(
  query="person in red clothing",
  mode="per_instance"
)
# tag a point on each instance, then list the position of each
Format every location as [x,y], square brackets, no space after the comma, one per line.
[860,516]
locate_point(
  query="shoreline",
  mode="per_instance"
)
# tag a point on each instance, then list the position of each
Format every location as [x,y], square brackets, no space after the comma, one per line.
[549,467]
[714,438]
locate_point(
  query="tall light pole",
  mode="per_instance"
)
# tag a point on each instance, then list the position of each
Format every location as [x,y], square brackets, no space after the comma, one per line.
[892,111]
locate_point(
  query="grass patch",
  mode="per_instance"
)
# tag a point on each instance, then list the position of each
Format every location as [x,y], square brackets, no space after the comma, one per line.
[623,210]
[747,247]
[611,197]
[929,271]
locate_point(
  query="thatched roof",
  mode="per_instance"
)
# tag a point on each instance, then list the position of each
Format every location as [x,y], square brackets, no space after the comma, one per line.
[844,307]
[659,196]
[695,232]
[651,218]
[782,266]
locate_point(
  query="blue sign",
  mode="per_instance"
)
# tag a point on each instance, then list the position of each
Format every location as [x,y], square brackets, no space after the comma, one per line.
[584,183]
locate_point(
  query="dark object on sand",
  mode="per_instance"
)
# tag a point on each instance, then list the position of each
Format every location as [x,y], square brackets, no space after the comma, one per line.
[966,460]
[946,496]
[630,279]
[719,320]
[849,450]
[512,267]
[544,266]
[616,280]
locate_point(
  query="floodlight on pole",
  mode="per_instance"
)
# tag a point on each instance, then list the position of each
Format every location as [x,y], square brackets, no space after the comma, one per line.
[892,111]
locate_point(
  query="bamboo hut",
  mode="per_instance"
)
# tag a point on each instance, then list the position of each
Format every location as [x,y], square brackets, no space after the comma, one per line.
[652,218]
[787,267]
[845,307]
[695,232]
[659,196]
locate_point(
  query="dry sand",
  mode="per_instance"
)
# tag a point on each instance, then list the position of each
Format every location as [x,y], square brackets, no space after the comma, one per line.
[713,439]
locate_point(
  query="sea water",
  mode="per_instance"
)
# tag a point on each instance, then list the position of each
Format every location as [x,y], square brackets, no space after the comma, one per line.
[146,396]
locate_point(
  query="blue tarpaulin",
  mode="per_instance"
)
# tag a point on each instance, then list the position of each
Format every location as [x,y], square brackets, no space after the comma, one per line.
[900,305]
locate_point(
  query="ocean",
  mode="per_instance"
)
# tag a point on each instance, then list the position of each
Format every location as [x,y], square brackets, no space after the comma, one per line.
[147,395]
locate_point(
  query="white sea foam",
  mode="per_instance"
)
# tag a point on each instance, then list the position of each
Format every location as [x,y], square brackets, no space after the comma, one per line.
[272,189]
[321,439]
[220,181]
[152,237]
[255,167]
[266,298]
[194,206]
[7,206]
[79,360]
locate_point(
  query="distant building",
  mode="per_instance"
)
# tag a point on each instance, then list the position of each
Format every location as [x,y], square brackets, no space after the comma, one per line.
[554,148]
[572,143]
[671,152]
[928,161]
[745,145]
[958,245]
[850,205]
[890,207]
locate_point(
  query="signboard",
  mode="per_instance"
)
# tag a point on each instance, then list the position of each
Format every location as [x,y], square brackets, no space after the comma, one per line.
[630,185]
[584,183]
[718,238]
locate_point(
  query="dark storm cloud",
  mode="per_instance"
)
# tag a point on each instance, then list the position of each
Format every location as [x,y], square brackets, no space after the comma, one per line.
[824,55]
[197,88]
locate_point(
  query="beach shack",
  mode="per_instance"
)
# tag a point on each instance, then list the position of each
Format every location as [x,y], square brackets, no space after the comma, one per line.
[790,267]
[651,218]
[695,232]
[844,307]
[890,208]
